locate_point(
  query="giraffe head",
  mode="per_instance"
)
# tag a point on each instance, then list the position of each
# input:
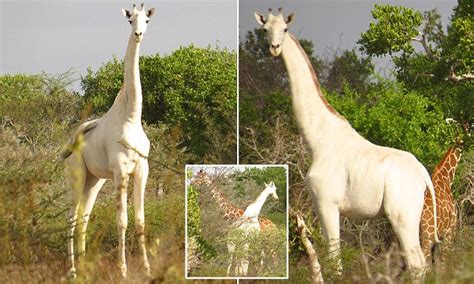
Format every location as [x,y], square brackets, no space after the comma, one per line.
[276,29]
[138,19]
[201,179]
[271,189]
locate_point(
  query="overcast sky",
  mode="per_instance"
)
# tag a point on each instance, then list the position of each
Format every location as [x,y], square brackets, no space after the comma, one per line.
[54,36]
[331,25]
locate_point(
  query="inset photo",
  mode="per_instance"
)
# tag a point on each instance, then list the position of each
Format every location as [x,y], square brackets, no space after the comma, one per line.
[236,221]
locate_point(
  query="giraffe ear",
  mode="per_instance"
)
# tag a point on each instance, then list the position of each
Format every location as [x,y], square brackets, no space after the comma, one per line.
[260,18]
[126,13]
[150,12]
[290,18]
[266,185]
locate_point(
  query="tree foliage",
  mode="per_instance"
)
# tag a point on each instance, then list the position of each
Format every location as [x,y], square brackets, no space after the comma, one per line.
[442,70]
[350,69]
[264,175]
[393,32]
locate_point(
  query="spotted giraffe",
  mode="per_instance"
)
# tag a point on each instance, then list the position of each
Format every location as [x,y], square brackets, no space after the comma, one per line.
[442,178]
[231,212]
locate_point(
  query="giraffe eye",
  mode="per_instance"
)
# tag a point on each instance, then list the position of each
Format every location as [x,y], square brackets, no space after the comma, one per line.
[286,30]
[130,22]
[147,21]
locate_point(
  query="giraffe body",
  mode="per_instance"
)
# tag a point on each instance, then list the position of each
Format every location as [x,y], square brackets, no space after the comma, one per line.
[114,147]
[349,175]
[442,178]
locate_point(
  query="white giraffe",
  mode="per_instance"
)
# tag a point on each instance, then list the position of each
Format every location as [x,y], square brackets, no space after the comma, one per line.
[349,176]
[249,224]
[115,147]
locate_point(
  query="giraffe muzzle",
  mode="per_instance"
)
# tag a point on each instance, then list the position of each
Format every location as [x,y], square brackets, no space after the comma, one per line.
[275,50]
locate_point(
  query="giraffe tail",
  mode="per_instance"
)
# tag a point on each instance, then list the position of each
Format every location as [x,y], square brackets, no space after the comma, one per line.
[430,187]
[82,129]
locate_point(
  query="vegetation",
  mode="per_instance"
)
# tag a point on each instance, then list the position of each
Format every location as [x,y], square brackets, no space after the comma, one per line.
[39,112]
[433,83]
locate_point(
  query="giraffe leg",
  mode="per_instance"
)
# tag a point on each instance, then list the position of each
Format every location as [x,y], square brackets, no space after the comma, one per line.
[230,249]
[405,223]
[262,257]
[329,217]
[140,179]
[245,261]
[121,183]
[75,175]
[91,189]
[427,229]
[328,212]
[427,244]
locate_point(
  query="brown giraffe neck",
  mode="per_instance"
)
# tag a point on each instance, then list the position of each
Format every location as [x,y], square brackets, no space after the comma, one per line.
[230,211]
[446,169]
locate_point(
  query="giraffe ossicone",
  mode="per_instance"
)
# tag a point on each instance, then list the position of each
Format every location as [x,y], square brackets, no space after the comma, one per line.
[349,175]
[112,147]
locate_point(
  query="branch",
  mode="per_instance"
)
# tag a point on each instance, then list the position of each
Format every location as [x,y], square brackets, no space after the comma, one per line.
[421,38]
[456,78]
[316,276]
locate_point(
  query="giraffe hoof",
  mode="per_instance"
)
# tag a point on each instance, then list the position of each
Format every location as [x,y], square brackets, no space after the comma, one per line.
[71,274]
[148,272]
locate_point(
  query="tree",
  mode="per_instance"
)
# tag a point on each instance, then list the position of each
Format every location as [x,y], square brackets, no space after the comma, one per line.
[348,68]
[442,70]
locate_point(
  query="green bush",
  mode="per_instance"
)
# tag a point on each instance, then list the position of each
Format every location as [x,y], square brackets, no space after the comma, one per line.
[36,113]
[395,117]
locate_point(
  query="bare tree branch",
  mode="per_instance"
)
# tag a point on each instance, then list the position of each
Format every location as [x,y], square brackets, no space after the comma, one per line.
[421,38]
[316,276]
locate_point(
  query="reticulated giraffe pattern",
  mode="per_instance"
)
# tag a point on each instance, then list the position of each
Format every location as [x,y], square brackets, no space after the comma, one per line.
[442,178]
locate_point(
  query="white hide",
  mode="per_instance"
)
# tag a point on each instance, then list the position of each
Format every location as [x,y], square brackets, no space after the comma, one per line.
[115,147]
[349,175]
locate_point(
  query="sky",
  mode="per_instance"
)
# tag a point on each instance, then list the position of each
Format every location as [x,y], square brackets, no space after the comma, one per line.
[331,25]
[54,36]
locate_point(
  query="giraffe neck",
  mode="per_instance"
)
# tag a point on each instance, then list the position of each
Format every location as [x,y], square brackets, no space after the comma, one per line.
[253,209]
[316,118]
[230,211]
[131,84]
[446,169]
